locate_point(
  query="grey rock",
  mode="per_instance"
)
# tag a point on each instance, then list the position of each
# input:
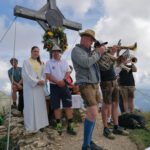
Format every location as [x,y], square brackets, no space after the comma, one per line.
[16,113]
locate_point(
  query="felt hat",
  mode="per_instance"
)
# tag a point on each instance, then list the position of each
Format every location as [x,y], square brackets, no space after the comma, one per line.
[88,32]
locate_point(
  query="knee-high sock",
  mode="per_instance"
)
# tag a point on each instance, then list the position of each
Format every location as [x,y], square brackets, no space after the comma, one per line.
[88,129]
[92,130]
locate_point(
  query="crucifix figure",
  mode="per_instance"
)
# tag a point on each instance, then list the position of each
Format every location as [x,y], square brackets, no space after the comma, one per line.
[48,16]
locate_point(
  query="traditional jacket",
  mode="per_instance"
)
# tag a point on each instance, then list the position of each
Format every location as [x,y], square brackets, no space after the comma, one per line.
[85,65]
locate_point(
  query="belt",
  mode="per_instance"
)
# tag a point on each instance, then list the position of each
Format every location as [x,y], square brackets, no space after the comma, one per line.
[80,84]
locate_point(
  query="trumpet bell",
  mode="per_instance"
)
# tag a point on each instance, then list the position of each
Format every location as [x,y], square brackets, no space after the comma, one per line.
[134,60]
[132,47]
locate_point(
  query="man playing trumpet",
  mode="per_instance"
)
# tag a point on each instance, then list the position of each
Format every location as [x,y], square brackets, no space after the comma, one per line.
[110,91]
[127,84]
[88,78]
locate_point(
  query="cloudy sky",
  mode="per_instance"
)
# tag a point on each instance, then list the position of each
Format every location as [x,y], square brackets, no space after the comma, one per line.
[111,19]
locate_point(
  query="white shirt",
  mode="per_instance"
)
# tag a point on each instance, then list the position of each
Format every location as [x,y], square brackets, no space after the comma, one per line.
[57,69]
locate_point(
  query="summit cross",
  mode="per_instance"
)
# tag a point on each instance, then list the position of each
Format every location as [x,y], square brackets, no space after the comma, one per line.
[48,16]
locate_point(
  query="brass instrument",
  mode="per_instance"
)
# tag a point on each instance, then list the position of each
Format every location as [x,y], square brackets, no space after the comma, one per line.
[131,47]
[113,58]
[133,60]
[125,67]
[108,59]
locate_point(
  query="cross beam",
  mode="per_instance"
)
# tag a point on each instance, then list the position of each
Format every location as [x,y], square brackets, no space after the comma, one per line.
[48,16]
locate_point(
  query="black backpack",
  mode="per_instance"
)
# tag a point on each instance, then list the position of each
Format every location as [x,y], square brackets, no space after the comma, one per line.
[131,121]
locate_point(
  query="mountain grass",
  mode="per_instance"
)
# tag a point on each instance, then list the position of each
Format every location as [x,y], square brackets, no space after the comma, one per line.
[3,143]
[141,137]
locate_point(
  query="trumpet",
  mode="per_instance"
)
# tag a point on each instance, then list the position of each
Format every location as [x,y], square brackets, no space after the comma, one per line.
[108,59]
[131,47]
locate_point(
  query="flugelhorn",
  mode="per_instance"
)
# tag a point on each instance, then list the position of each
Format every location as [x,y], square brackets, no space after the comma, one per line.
[131,47]
[133,60]
[125,67]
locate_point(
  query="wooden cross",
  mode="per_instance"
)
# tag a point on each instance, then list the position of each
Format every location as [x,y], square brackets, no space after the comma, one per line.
[48,16]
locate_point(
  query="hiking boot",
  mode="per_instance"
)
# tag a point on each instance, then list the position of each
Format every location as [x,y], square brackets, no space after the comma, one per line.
[86,148]
[59,128]
[70,129]
[94,146]
[120,131]
[108,134]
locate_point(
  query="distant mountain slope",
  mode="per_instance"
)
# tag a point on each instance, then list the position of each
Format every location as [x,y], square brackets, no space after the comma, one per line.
[4,102]
[142,99]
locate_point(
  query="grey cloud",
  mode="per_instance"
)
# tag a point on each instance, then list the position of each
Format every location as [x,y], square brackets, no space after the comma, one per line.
[129,21]
[138,8]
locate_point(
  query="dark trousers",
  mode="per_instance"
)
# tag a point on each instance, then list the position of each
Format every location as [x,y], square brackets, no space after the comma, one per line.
[121,103]
[21,101]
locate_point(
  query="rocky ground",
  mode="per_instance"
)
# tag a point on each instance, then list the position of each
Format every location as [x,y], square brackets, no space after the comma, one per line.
[120,143]
[49,139]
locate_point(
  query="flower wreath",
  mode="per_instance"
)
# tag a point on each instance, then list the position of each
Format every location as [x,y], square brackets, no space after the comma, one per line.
[52,34]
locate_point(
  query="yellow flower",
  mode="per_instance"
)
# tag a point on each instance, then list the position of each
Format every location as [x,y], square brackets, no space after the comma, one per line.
[50,33]
[59,35]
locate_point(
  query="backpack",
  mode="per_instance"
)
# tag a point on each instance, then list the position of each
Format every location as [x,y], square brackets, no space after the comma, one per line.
[131,121]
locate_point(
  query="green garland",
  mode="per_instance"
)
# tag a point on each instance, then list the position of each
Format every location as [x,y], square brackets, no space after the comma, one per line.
[59,35]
